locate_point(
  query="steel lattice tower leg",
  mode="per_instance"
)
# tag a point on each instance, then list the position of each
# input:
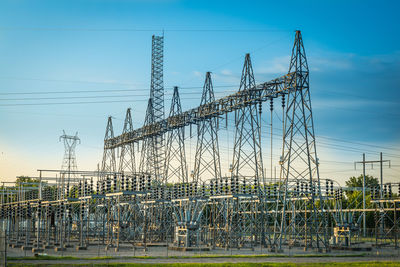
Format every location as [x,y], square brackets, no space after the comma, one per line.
[207,160]
[127,160]
[299,162]
[175,167]
[247,157]
[109,163]
[146,156]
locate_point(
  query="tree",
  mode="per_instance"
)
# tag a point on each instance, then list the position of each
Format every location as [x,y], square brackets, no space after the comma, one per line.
[370,181]
[354,197]
[25,180]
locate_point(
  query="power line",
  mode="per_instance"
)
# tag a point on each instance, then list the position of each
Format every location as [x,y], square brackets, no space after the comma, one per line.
[103,91]
[96,96]
[70,29]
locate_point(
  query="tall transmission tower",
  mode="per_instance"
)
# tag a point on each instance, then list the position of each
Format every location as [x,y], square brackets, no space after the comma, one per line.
[146,163]
[175,167]
[207,160]
[127,161]
[299,163]
[247,157]
[157,143]
[69,164]
[109,163]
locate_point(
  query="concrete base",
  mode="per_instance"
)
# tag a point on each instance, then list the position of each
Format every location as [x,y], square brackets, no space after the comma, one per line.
[189,248]
[59,249]
[37,250]
[26,248]
[80,248]
[276,250]
[48,246]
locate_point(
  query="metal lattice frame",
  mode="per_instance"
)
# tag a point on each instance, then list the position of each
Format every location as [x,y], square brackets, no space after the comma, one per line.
[175,166]
[127,161]
[299,162]
[207,160]
[247,155]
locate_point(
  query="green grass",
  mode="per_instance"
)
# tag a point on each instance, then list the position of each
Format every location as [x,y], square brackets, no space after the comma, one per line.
[46,257]
[330,264]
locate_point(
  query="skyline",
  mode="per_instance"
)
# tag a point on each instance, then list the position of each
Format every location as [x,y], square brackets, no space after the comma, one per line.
[354,84]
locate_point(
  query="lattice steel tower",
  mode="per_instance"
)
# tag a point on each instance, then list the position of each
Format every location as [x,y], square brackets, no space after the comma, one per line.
[156,143]
[69,164]
[127,162]
[247,157]
[109,162]
[299,163]
[175,161]
[207,160]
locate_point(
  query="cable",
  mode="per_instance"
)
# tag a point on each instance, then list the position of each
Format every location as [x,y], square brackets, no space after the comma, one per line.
[134,29]
[96,96]
[102,91]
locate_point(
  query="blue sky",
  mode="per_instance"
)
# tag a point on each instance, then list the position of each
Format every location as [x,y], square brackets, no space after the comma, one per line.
[69,46]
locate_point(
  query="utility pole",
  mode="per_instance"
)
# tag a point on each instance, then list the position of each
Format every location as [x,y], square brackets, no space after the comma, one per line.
[363,162]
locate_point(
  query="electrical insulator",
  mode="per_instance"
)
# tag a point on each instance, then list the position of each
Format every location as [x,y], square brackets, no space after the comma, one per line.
[271,104]
[232,185]
[108,184]
[331,187]
[148,182]
[327,187]
[122,182]
[80,189]
[175,191]
[115,183]
[244,186]
[134,183]
[384,191]
[86,191]
[390,190]
[91,186]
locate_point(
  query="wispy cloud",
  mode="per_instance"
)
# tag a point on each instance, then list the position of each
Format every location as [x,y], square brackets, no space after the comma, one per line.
[321,103]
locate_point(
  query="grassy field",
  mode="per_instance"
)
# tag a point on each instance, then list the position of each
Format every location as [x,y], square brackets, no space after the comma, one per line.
[47,257]
[350,264]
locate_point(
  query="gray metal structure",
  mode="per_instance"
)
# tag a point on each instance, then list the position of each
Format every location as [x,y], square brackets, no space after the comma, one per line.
[157,203]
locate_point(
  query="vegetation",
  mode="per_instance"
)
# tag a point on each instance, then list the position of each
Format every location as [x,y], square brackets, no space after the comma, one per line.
[241,264]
